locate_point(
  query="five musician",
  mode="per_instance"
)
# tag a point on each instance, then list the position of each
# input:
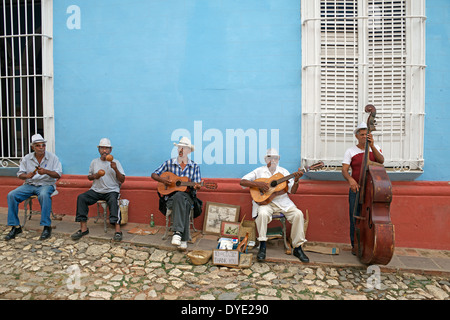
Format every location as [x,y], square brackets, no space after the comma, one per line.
[108,175]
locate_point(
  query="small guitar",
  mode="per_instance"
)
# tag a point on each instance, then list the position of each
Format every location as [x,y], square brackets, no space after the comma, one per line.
[277,185]
[180,184]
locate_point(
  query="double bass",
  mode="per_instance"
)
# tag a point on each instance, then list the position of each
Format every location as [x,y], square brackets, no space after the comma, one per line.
[374,231]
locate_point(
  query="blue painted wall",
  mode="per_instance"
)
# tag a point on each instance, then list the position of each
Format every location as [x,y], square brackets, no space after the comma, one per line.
[139,71]
[437,93]
[143,72]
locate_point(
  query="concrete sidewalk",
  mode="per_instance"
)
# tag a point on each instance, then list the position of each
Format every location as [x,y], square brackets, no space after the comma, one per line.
[405,259]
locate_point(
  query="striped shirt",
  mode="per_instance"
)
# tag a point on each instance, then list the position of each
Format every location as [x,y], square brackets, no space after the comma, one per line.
[192,170]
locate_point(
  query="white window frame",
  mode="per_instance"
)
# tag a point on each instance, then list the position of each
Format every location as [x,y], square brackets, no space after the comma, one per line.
[402,142]
[18,139]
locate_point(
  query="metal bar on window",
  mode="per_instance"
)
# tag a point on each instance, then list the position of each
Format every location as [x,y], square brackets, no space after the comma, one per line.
[21,112]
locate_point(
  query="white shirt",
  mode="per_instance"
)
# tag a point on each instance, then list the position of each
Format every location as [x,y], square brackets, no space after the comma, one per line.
[109,182]
[282,201]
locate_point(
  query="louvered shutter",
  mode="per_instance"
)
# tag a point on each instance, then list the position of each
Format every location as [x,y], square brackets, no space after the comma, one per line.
[357,52]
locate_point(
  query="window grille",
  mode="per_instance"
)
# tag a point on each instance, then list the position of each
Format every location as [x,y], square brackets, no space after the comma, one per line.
[358,52]
[26,79]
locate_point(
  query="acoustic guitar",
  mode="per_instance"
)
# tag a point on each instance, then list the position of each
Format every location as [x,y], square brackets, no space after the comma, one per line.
[180,184]
[277,185]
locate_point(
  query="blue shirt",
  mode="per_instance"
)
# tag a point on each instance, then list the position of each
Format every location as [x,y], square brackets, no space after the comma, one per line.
[192,170]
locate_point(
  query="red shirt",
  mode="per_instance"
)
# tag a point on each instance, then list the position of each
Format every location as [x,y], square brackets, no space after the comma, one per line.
[354,156]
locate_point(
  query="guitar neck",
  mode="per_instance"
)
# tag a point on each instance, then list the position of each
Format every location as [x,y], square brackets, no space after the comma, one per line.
[286,178]
[189,184]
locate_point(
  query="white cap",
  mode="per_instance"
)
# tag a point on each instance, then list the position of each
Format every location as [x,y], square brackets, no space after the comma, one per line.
[185,142]
[362,125]
[37,138]
[104,142]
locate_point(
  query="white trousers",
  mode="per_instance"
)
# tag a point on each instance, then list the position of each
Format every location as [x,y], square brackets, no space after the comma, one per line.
[293,215]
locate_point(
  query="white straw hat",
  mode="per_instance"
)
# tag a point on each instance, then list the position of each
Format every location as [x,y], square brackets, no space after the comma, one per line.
[37,138]
[104,142]
[185,142]
[362,125]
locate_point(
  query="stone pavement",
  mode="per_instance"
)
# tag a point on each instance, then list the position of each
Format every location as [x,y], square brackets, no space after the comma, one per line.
[145,267]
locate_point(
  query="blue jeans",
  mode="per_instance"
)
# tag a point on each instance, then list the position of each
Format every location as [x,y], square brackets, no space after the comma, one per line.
[351,204]
[22,193]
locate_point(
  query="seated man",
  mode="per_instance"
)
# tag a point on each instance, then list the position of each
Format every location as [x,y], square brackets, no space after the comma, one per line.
[180,202]
[107,177]
[40,170]
[280,203]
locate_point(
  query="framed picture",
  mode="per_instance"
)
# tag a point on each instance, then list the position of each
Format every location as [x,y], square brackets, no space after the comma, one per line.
[229,229]
[215,213]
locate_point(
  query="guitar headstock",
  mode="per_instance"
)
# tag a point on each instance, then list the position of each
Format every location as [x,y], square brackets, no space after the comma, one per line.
[210,185]
[316,166]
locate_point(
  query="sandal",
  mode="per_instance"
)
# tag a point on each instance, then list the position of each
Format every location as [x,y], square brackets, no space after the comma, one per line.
[117,236]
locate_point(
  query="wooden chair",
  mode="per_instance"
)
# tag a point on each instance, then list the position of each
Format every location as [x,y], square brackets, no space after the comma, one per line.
[104,205]
[28,206]
[169,223]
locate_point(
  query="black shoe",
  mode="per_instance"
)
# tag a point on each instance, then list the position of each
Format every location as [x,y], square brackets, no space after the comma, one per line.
[78,235]
[298,252]
[261,256]
[46,233]
[12,234]
[118,236]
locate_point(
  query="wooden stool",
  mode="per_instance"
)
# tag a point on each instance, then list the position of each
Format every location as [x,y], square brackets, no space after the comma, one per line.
[104,205]
[280,217]
[169,224]
[28,206]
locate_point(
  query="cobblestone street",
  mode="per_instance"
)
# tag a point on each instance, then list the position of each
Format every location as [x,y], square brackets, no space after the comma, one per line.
[60,268]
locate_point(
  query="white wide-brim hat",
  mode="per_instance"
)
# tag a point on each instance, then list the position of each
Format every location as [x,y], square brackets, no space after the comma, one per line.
[272,152]
[36,138]
[105,142]
[185,142]
[362,125]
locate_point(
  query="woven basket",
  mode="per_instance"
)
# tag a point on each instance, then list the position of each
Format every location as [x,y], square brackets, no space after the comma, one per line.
[199,257]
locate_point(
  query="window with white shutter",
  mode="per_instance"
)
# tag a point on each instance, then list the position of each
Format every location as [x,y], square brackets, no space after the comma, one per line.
[359,52]
[26,77]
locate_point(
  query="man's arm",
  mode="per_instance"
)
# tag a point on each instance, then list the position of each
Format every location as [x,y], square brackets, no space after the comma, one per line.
[345,173]
[377,154]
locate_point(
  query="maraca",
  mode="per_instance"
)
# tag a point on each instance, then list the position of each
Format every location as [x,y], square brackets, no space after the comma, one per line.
[109,157]
[101,172]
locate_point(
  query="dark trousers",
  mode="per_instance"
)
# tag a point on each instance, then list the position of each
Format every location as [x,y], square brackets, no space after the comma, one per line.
[351,202]
[181,203]
[90,197]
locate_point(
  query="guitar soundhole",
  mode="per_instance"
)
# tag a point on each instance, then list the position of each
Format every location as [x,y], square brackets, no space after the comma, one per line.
[273,184]
[178,183]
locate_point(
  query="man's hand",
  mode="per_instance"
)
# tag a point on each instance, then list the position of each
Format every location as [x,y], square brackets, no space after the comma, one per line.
[298,174]
[353,184]
[263,186]
[197,186]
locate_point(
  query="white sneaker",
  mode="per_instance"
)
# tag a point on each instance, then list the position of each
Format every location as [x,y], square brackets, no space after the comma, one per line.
[183,245]
[176,239]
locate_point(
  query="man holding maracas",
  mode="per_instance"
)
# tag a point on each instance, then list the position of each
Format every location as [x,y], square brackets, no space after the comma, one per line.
[107,175]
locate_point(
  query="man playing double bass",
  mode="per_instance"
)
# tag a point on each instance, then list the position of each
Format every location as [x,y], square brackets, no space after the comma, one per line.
[353,159]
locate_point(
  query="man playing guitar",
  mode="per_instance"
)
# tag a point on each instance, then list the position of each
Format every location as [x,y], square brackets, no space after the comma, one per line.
[279,203]
[180,202]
